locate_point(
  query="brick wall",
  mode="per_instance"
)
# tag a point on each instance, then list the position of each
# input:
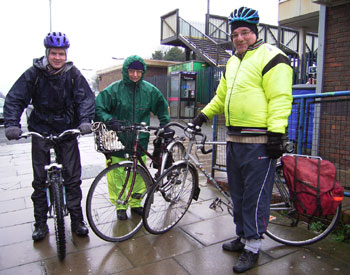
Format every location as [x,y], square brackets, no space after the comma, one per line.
[337,49]
[334,134]
[108,78]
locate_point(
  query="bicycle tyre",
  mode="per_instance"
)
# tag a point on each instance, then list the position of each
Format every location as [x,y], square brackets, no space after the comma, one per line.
[288,226]
[101,212]
[169,199]
[57,194]
[176,150]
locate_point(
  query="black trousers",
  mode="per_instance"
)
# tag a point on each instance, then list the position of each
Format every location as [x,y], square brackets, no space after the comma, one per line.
[68,155]
[250,174]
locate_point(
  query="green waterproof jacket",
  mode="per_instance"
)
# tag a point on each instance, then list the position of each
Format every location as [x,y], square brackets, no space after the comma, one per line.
[256,91]
[131,103]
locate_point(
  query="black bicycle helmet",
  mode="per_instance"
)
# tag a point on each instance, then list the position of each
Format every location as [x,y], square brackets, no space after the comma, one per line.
[244,14]
[56,40]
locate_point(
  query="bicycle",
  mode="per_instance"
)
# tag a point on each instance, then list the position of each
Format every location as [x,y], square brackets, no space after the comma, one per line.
[169,199]
[55,189]
[171,196]
[290,227]
[100,207]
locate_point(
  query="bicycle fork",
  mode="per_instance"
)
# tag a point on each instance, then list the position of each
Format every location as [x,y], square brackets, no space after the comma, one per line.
[54,176]
[126,181]
[217,201]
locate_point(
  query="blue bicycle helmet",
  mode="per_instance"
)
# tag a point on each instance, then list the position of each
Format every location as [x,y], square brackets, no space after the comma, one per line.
[244,14]
[56,40]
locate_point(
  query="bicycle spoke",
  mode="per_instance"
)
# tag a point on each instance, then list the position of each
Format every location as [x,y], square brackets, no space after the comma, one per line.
[288,226]
[101,207]
[169,200]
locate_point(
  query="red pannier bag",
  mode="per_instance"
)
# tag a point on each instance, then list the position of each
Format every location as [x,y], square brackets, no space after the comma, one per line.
[312,184]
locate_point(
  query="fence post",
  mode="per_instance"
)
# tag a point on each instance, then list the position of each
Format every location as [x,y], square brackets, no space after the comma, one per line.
[301,127]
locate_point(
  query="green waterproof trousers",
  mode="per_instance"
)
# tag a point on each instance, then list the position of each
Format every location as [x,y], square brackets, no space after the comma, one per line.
[116,179]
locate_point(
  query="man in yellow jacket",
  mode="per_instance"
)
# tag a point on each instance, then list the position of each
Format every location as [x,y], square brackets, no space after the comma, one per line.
[255,93]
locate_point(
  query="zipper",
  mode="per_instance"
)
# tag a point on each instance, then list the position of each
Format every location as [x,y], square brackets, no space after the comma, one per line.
[133,105]
[228,103]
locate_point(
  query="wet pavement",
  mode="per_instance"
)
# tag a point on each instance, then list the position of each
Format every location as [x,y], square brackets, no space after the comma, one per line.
[192,247]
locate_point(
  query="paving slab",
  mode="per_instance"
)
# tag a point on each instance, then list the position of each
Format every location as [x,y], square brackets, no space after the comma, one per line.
[193,246]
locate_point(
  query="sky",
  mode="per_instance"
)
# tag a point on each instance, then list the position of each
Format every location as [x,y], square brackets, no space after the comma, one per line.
[99,29]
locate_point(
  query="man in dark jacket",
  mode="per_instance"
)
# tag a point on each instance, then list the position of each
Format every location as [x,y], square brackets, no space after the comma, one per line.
[62,100]
[130,100]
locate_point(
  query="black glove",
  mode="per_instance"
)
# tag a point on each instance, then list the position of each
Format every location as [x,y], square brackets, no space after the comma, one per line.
[85,128]
[274,147]
[114,125]
[199,120]
[13,132]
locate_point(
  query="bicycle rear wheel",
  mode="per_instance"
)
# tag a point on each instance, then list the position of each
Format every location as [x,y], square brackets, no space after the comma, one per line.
[57,194]
[169,199]
[101,211]
[288,226]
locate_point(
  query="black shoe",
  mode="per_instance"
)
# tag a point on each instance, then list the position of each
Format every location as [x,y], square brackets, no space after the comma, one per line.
[245,261]
[121,214]
[233,246]
[137,210]
[40,232]
[79,228]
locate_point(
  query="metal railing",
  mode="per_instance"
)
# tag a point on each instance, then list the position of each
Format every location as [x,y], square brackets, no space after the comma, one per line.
[173,27]
[318,125]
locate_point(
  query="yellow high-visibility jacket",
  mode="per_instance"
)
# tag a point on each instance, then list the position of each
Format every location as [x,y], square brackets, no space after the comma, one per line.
[255,92]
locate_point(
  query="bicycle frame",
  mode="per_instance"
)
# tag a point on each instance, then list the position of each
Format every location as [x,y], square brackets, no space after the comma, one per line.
[135,158]
[189,157]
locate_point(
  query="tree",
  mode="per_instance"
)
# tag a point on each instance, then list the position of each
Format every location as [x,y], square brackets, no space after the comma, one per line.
[157,55]
[173,54]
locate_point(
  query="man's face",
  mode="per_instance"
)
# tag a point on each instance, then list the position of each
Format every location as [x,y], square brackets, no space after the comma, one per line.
[57,58]
[242,38]
[134,75]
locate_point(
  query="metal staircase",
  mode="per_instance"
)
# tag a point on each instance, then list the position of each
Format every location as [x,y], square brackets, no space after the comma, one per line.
[213,44]
[176,31]
[207,49]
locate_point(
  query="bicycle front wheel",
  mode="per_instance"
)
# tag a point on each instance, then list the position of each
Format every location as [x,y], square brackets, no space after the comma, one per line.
[169,199]
[176,151]
[290,227]
[101,206]
[57,194]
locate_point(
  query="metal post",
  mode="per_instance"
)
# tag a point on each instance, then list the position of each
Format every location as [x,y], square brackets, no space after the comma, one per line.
[319,77]
[50,17]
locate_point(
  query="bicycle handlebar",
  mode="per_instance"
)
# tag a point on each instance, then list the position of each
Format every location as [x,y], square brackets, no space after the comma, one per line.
[51,137]
[139,127]
[194,130]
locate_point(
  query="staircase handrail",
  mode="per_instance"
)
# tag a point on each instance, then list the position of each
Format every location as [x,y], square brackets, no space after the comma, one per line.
[192,27]
[220,31]
[202,52]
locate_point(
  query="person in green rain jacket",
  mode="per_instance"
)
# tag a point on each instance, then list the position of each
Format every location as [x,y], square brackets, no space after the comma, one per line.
[128,101]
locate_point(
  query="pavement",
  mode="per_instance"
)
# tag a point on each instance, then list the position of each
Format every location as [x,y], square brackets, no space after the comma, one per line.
[193,247]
